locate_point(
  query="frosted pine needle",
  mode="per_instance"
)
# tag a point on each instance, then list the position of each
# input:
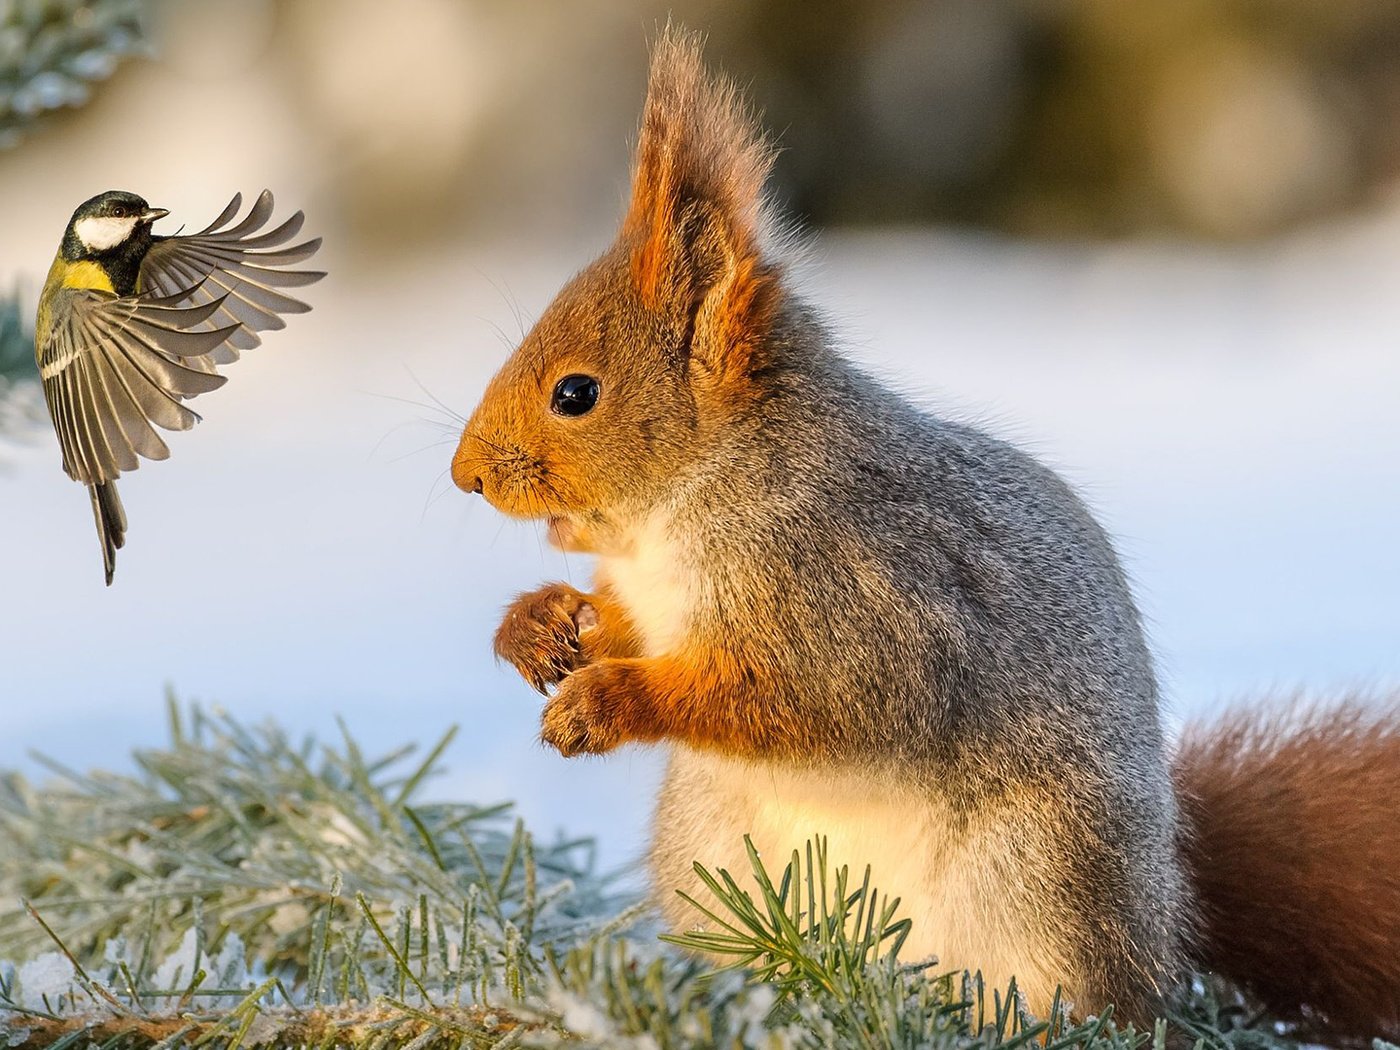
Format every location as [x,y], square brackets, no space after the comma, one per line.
[241,889]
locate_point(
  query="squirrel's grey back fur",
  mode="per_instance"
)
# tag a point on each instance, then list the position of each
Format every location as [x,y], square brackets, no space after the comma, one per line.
[880,544]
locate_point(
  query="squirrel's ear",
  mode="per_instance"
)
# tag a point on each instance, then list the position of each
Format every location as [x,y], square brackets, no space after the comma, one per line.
[695,226]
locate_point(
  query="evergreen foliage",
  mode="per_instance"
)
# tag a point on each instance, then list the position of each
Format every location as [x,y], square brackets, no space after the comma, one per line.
[51,51]
[19,378]
[244,889]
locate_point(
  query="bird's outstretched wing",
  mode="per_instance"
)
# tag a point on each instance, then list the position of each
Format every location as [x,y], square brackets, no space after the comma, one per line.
[112,366]
[237,265]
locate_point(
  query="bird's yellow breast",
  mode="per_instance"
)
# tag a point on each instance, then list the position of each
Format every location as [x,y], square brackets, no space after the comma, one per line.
[65,274]
[84,274]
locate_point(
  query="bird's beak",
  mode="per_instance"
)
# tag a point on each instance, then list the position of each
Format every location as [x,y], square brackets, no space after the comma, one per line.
[152,214]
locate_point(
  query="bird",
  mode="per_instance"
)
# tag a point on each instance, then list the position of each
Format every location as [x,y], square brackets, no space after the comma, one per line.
[132,324]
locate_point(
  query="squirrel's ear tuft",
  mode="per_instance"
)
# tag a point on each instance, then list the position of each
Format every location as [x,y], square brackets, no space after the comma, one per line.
[696,224]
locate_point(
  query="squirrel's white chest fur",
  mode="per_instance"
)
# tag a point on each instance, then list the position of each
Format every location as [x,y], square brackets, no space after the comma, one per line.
[653,582]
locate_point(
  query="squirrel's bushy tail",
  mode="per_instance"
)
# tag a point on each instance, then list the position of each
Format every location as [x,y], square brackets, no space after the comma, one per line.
[1293,845]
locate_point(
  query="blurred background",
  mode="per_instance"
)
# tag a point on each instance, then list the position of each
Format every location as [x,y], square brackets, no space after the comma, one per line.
[1156,244]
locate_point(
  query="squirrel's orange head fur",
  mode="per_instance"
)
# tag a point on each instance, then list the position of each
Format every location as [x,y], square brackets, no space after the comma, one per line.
[670,322]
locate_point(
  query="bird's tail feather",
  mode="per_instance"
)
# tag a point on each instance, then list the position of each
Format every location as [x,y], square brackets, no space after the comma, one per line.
[111,523]
[1293,820]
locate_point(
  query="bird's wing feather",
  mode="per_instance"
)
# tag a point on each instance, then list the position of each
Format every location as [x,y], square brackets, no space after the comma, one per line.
[112,367]
[237,265]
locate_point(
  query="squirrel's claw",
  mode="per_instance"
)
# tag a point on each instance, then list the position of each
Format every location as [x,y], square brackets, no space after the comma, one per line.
[539,635]
[579,718]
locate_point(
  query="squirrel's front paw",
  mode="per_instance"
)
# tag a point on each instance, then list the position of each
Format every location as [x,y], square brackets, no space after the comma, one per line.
[540,633]
[586,715]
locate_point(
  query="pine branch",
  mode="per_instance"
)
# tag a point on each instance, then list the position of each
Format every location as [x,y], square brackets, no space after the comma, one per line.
[256,828]
[256,1023]
[16,343]
[243,889]
[52,51]
[19,378]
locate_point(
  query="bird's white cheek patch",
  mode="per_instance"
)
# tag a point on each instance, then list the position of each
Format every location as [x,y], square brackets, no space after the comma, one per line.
[99,233]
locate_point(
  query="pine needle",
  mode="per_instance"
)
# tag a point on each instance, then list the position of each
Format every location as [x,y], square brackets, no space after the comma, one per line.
[242,890]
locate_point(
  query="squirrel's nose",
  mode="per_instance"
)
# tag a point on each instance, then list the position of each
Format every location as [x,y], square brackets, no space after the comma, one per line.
[466,474]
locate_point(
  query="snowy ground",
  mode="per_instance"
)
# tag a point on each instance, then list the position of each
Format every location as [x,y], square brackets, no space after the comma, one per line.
[1231,414]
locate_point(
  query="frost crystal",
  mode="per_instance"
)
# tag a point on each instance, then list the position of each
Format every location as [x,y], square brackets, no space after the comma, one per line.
[228,968]
[177,968]
[264,1029]
[47,976]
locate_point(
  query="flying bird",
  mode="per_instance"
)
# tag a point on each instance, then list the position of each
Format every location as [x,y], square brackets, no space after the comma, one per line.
[131,325]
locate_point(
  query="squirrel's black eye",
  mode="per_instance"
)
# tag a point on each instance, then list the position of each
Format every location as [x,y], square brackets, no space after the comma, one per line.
[574,395]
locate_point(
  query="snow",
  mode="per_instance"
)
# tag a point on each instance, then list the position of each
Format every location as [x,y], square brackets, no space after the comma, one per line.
[588,1021]
[46,979]
[227,968]
[265,1028]
[178,968]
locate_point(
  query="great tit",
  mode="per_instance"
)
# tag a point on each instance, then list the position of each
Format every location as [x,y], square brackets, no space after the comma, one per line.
[131,325]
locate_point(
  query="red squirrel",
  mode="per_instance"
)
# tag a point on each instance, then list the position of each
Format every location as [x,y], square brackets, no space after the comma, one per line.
[844,616]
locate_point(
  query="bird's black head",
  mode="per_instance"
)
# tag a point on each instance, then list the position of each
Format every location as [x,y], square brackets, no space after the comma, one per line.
[112,226]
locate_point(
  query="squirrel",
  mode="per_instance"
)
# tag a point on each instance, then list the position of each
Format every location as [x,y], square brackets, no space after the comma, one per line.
[846,616]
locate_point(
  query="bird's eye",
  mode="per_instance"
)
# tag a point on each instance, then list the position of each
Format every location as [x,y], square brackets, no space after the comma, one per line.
[574,395]
[119,211]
